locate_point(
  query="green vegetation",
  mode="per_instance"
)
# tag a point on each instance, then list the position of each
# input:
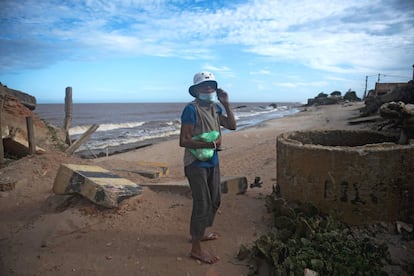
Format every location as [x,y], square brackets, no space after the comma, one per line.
[335,97]
[336,94]
[53,132]
[301,237]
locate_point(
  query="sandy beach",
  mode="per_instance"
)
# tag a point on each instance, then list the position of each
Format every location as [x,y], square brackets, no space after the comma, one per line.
[46,234]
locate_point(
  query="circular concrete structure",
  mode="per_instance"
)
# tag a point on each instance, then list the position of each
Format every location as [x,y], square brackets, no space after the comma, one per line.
[361,176]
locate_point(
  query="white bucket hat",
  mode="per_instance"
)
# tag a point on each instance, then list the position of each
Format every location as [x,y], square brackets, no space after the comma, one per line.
[201,78]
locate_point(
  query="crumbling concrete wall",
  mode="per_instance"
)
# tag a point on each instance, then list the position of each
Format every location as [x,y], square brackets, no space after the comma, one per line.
[361,176]
[384,88]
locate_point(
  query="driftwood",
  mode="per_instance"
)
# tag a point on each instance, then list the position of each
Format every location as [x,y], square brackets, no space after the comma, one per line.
[82,139]
[403,94]
[401,116]
[397,110]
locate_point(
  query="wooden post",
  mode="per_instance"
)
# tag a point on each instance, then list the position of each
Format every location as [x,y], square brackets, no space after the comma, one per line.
[82,139]
[3,99]
[30,135]
[68,113]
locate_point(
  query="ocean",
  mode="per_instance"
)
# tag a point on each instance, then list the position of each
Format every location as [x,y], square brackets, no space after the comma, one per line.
[126,126]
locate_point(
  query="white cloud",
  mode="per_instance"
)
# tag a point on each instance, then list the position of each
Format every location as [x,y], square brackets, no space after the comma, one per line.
[221,70]
[310,85]
[261,72]
[334,36]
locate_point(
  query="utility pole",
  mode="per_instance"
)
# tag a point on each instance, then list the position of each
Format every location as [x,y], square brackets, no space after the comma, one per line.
[366,81]
[379,77]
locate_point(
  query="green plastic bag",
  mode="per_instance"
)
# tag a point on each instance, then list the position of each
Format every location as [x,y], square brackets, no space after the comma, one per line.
[205,154]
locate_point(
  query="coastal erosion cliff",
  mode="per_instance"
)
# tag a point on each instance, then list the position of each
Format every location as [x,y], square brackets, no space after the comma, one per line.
[15,107]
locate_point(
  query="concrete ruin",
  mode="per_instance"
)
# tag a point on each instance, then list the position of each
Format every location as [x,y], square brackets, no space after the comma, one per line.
[15,108]
[97,184]
[360,176]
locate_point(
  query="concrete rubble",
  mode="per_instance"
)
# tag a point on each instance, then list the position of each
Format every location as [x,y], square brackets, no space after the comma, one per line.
[95,183]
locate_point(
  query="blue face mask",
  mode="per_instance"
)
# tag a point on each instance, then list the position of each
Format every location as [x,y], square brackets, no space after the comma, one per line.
[207,97]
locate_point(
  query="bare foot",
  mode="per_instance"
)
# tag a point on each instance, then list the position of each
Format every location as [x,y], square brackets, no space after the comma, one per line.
[204,257]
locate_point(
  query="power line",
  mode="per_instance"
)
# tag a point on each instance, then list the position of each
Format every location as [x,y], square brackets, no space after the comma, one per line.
[394,76]
[366,82]
[379,79]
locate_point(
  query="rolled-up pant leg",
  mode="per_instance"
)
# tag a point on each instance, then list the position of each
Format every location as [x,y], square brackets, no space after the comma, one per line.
[206,193]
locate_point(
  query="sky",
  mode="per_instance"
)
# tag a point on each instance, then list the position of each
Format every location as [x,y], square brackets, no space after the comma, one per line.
[149,50]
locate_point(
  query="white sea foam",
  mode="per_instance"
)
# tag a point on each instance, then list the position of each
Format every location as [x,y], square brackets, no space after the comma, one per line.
[115,142]
[118,125]
[104,127]
[257,112]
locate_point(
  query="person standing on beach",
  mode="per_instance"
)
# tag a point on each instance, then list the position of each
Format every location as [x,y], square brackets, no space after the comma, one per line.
[200,135]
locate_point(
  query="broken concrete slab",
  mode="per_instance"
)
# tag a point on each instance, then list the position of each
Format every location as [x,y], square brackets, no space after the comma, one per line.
[95,183]
[229,184]
[366,119]
[234,185]
[178,187]
[163,168]
[18,147]
[153,170]
[147,174]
